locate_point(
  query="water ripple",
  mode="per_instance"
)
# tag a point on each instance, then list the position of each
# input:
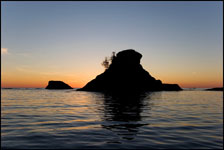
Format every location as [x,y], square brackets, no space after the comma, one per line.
[45,119]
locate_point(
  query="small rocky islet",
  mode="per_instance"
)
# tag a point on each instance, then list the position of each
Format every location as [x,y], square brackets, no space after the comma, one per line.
[57,85]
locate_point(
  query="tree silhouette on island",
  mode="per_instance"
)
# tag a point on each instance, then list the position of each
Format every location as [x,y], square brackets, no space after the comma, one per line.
[123,74]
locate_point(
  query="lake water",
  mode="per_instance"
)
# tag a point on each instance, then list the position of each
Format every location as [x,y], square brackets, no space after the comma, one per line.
[69,119]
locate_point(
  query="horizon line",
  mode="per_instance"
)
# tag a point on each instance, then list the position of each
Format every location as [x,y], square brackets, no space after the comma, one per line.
[80,87]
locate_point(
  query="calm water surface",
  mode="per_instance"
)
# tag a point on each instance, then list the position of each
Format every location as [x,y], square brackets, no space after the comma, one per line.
[69,119]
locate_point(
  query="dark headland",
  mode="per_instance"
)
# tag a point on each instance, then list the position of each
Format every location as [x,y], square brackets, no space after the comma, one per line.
[126,75]
[215,89]
[57,85]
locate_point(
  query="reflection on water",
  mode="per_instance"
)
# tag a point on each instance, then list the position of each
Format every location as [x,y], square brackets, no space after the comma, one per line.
[125,112]
[69,119]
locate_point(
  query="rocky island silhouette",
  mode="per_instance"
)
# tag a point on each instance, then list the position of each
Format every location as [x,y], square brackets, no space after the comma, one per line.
[125,74]
[58,85]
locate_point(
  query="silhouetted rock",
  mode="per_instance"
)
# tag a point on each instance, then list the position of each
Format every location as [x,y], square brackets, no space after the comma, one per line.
[215,89]
[171,87]
[57,85]
[125,74]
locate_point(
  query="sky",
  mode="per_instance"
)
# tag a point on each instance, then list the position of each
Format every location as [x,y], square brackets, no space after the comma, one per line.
[181,42]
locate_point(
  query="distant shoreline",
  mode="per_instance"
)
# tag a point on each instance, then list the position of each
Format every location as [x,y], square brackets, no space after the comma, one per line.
[184,89]
[215,89]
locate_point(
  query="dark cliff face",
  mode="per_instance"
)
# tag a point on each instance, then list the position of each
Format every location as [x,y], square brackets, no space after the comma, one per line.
[171,87]
[125,74]
[57,85]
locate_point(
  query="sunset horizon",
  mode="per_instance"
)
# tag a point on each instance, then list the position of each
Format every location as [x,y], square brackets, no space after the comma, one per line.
[181,42]
[111,75]
[77,84]
[189,83]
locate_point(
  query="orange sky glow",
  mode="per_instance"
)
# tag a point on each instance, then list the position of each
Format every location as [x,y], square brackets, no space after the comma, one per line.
[37,81]
[181,43]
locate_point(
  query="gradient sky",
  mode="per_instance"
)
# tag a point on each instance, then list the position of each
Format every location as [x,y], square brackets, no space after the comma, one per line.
[181,42]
